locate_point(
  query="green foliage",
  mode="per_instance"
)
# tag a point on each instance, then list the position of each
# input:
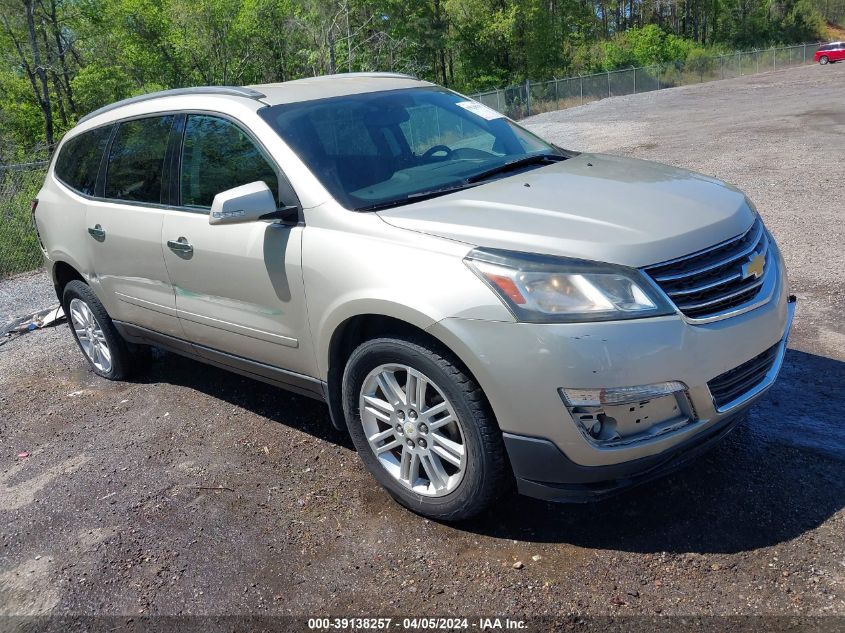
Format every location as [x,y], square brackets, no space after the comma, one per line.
[615,54]
[645,47]
[803,22]
[95,86]
[487,34]
[648,45]
[679,48]
[91,52]
[21,124]
[88,53]
[701,62]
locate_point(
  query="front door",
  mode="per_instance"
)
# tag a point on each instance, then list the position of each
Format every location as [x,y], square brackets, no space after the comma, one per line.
[124,228]
[238,287]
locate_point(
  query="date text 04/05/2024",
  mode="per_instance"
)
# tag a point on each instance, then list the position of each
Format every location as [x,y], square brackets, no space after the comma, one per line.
[412,624]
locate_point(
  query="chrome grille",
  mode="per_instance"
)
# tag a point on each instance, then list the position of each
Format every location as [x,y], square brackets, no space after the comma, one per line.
[711,282]
[731,385]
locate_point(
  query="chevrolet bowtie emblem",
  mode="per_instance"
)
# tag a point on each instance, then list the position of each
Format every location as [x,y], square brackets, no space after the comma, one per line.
[754,267]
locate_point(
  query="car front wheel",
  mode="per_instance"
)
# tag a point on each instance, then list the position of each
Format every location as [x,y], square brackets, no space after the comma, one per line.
[823,60]
[423,428]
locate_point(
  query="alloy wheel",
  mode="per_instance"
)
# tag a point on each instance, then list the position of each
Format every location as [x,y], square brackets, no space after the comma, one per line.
[90,335]
[413,429]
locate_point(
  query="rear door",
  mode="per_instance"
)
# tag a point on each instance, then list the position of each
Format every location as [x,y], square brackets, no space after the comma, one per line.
[124,224]
[838,53]
[238,287]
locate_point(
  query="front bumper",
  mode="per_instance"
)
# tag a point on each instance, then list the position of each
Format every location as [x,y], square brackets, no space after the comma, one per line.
[550,455]
[543,472]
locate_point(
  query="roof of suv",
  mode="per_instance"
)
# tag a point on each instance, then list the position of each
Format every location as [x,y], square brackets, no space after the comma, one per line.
[335,86]
[285,92]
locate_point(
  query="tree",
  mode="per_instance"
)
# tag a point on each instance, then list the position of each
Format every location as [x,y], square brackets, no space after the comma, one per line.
[62,58]
[18,20]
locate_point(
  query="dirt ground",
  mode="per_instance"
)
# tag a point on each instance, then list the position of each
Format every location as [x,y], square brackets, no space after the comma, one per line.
[194,491]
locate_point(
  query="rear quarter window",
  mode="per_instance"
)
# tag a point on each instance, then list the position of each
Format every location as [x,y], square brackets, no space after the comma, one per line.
[79,160]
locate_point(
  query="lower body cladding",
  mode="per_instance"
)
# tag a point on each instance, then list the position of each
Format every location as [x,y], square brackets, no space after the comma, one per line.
[587,410]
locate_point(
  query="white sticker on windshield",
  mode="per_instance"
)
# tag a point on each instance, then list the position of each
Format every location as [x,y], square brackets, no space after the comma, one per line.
[481,110]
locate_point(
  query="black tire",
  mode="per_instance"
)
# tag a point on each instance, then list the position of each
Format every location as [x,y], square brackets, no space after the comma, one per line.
[124,358]
[823,60]
[487,472]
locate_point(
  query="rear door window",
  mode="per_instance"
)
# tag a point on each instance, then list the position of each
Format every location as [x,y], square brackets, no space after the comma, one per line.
[216,156]
[136,158]
[79,160]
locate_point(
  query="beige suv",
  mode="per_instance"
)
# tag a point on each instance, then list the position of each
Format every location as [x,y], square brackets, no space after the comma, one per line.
[478,307]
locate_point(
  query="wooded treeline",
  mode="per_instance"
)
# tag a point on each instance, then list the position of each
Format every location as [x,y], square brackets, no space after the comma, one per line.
[63,58]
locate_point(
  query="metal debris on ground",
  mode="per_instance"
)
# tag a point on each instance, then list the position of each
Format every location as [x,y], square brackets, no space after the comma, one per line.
[22,325]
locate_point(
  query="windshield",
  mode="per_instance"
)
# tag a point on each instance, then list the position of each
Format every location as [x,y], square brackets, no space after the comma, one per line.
[387,148]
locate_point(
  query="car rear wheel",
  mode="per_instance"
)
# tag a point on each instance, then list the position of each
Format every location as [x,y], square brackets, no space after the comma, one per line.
[109,355]
[423,428]
[823,60]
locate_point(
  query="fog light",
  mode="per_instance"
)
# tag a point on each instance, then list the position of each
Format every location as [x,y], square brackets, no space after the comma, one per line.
[618,395]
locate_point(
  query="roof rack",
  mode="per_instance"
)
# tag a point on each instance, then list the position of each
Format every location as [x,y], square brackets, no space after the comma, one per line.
[232,91]
[372,75]
[376,74]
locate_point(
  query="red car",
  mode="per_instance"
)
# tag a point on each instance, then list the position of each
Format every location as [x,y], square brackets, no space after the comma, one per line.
[833,52]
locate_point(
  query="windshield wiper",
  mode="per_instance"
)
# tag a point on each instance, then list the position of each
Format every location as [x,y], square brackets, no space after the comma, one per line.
[471,181]
[535,159]
[416,197]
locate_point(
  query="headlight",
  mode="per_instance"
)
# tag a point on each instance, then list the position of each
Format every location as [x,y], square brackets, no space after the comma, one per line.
[540,289]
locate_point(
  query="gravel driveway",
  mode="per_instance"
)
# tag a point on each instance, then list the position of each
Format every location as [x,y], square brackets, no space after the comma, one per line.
[195,491]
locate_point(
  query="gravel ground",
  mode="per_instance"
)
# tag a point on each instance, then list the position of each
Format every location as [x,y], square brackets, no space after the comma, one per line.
[194,491]
[25,294]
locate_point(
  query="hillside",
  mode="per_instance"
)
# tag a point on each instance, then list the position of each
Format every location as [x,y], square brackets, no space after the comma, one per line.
[835,32]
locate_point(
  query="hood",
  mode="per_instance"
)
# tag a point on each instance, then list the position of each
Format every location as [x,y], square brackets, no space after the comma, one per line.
[603,208]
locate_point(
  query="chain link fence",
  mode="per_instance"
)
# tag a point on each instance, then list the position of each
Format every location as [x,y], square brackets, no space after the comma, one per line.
[19,184]
[534,97]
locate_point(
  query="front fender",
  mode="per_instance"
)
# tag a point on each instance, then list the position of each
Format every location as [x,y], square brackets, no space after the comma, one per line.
[356,264]
[349,307]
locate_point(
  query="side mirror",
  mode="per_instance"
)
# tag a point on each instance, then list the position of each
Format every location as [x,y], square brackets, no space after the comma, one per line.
[248,203]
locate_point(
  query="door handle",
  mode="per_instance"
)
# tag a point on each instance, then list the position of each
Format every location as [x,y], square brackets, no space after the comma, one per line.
[180,246]
[98,233]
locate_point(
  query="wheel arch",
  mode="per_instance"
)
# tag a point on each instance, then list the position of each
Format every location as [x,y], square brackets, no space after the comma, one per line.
[356,329]
[62,274]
